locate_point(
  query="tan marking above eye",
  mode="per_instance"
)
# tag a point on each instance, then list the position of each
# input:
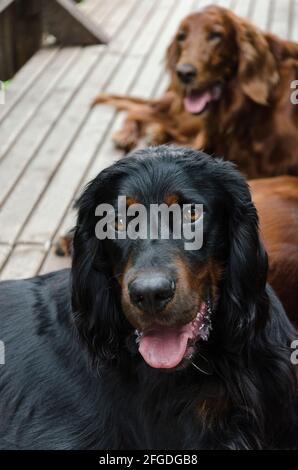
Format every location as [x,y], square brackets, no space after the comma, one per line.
[130,200]
[171,199]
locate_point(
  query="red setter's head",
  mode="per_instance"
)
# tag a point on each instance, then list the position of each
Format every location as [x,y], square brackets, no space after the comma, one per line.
[213,47]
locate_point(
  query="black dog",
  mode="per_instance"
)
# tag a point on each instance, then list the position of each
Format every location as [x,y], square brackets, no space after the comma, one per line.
[189,349]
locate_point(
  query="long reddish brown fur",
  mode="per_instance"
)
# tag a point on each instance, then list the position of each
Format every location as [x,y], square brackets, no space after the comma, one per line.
[276,200]
[254,124]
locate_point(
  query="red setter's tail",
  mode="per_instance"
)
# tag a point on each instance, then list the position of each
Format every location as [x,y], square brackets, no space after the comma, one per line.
[122,103]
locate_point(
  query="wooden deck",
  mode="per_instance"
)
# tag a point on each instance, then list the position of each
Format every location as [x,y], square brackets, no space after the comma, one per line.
[52,143]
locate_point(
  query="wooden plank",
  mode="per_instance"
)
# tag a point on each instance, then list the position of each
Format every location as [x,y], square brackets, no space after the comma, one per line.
[221,3]
[4,253]
[23,262]
[25,77]
[4,4]
[28,106]
[224,3]
[280,18]
[242,7]
[70,25]
[89,5]
[26,193]
[27,16]
[105,156]
[155,63]
[141,15]
[161,85]
[158,81]
[294,21]
[12,167]
[51,208]
[261,14]
[195,5]
[119,17]
[124,76]
[204,3]
[99,10]
[53,262]
[75,167]
[7,53]
[150,33]
[17,46]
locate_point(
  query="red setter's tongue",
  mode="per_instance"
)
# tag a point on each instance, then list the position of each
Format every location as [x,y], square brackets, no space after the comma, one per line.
[164,347]
[196,102]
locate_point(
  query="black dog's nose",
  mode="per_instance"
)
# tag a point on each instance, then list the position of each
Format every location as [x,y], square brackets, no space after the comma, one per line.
[186,72]
[151,293]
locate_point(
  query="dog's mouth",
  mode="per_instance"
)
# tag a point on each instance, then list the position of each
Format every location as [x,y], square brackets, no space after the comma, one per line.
[197,101]
[165,347]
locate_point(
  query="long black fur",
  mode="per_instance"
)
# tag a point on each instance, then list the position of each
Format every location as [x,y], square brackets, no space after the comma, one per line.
[73,378]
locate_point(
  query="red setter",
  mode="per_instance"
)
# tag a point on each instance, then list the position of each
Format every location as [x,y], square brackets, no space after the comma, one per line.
[229,93]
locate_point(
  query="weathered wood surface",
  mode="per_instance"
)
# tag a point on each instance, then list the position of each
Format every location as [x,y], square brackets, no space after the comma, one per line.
[23,23]
[52,143]
[69,25]
[20,34]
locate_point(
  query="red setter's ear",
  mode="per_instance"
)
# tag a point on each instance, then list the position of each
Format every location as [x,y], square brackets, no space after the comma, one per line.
[257,71]
[172,55]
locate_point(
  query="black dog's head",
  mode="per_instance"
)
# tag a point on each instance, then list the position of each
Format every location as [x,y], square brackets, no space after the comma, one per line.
[168,298]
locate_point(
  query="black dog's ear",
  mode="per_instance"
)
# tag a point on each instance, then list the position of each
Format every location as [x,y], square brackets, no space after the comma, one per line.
[95,293]
[243,295]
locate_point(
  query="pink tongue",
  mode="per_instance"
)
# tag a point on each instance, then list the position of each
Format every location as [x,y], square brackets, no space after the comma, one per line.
[195,103]
[164,347]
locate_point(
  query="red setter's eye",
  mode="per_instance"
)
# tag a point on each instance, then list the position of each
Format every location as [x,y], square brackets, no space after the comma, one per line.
[215,35]
[181,36]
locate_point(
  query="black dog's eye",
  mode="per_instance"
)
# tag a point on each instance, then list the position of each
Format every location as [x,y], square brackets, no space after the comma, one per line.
[181,36]
[120,224]
[191,215]
[215,35]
